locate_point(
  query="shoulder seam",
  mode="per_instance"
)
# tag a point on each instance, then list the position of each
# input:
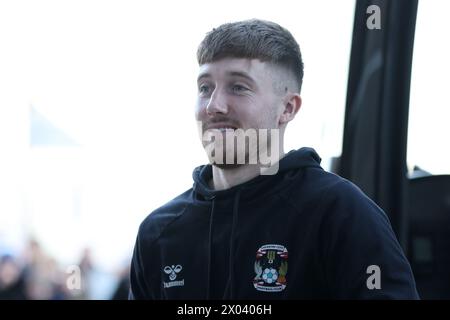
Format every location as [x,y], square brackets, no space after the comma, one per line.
[168,224]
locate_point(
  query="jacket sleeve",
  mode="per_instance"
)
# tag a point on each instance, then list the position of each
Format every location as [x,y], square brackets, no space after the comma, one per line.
[139,272]
[361,255]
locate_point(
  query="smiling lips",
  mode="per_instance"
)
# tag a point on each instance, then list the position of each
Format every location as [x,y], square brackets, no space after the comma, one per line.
[221,127]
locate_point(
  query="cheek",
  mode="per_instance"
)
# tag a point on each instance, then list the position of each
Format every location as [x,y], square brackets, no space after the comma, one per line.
[264,111]
[274,110]
[269,116]
[200,110]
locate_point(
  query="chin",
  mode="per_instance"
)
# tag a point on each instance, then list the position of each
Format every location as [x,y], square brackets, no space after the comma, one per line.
[225,166]
[232,165]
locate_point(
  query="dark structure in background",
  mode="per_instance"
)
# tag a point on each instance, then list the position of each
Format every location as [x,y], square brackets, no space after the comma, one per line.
[376,119]
[429,234]
[375,143]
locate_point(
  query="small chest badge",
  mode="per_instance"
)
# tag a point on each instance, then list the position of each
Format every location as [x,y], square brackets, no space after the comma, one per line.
[172,272]
[271,268]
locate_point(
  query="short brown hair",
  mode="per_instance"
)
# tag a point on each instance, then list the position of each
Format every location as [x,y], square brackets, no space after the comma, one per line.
[253,39]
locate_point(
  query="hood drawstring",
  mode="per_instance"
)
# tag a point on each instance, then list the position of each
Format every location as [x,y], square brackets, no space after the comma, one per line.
[211,217]
[232,242]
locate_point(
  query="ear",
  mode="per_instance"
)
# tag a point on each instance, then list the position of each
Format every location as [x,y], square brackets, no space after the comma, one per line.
[292,104]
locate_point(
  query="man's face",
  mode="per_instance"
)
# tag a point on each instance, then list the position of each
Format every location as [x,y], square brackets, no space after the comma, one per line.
[237,94]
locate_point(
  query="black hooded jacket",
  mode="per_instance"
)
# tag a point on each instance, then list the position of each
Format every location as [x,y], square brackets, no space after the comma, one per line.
[302,233]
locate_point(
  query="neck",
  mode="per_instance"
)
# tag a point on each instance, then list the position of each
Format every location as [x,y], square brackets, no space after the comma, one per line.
[226,178]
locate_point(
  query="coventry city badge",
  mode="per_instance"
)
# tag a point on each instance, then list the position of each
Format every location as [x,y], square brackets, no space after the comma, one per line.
[271,268]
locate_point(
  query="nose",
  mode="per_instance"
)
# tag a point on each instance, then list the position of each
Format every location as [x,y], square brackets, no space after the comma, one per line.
[217,103]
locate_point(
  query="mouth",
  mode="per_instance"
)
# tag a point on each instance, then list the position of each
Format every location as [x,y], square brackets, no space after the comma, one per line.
[221,127]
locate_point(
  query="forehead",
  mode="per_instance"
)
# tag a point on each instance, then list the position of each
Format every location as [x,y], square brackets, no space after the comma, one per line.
[254,68]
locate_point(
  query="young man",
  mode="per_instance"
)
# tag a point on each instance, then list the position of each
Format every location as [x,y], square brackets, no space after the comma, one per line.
[259,228]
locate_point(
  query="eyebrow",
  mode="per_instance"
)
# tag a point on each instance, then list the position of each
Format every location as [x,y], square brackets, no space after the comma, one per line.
[203,76]
[239,74]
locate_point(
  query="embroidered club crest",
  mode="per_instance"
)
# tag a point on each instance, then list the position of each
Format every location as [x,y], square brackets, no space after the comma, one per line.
[271,268]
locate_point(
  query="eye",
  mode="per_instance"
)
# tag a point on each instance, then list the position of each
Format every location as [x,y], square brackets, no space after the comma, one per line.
[237,88]
[203,89]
